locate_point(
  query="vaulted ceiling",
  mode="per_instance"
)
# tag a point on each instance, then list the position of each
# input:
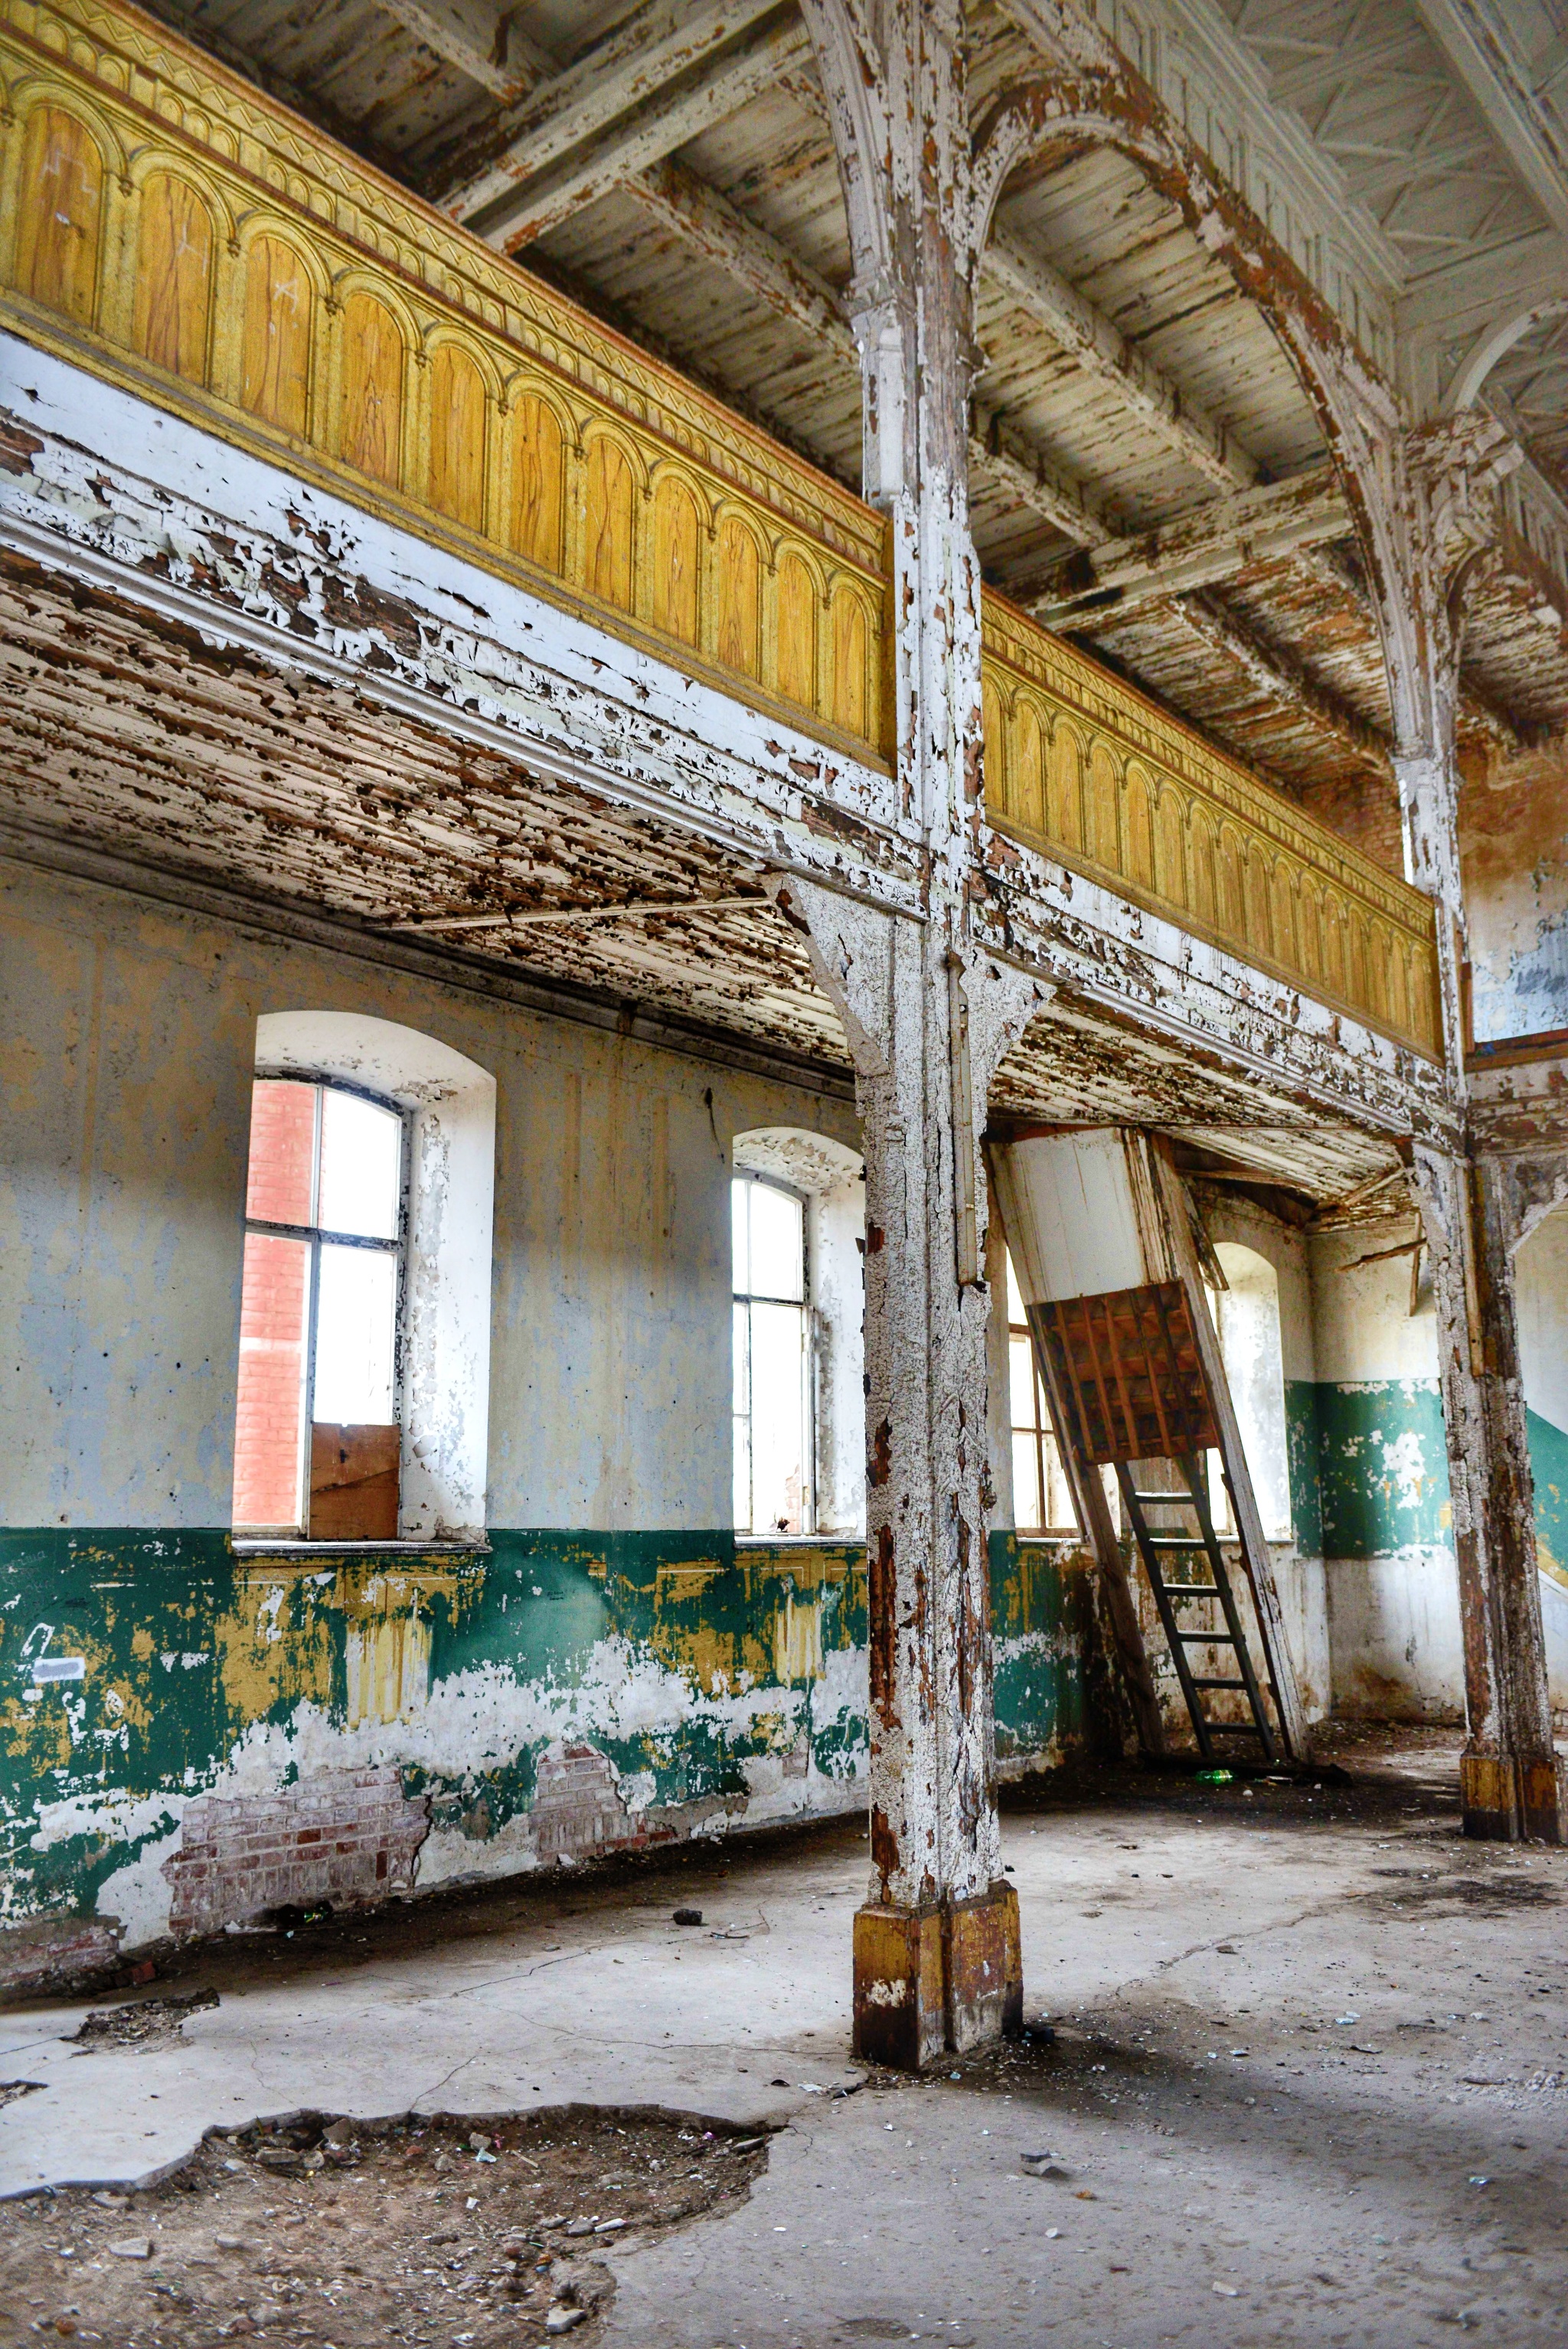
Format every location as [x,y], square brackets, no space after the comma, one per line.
[1146,472]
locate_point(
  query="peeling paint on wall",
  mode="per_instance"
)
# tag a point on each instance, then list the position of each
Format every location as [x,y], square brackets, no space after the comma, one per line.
[1512,831]
[253,1733]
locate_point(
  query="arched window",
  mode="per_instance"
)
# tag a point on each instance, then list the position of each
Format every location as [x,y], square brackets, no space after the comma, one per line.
[364,1374]
[798,1223]
[1247,1316]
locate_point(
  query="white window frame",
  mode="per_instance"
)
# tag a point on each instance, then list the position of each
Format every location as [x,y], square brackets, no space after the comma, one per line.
[315,1234]
[802,1304]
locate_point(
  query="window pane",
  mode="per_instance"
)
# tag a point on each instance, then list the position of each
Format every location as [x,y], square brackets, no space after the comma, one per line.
[1028,1515]
[1061,1512]
[1021,1382]
[355,1327]
[283,1152]
[739,1223]
[269,1418]
[1016,1311]
[778,1457]
[361,1166]
[777,1244]
[742,1416]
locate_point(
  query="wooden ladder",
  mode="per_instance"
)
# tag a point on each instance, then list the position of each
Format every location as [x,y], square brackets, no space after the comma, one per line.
[1193,1552]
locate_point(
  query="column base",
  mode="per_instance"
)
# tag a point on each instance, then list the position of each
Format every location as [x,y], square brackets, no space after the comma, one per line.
[933,1981]
[1504,1800]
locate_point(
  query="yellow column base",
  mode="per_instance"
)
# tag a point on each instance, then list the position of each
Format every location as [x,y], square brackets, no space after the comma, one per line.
[931,1981]
[1504,1800]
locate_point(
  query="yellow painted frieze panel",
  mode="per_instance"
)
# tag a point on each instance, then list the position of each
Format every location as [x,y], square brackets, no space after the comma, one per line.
[1132,798]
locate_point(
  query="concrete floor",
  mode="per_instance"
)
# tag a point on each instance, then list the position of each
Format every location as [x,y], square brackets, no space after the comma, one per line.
[1310,2083]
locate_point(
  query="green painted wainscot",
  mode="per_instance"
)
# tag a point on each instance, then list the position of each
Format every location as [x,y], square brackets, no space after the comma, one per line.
[720,1680]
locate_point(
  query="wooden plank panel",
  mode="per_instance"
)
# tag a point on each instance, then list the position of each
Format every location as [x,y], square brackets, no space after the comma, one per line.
[353,1482]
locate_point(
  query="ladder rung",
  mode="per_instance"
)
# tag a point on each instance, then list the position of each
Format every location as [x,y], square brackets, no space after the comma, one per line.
[1234,1728]
[1167,1500]
[1209,1639]
[1175,1541]
[1217,1685]
[1191,1589]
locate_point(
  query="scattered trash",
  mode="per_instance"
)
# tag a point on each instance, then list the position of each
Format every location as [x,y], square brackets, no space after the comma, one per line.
[107,2202]
[608,2226]
[562,2319]
[1053,2234]
[1226,1949]
[1479,2182]
[688,1916]
[1227,2291]
[130,2247]
[1213,1778]
[1346,2018]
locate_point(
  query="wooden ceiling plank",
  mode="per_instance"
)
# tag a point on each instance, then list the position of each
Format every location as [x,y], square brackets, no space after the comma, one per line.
[652,67]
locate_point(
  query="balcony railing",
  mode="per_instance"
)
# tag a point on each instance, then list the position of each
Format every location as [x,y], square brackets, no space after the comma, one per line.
[1082,767]
[168,227]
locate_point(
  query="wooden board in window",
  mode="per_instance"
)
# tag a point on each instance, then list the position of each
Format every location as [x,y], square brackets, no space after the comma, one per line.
[353,1482]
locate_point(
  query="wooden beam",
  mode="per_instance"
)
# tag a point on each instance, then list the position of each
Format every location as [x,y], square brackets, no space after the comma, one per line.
[712,226]
[654,83]
[1476,707]
[1211,543]
[487,45]
[1279,676]
[1054,302]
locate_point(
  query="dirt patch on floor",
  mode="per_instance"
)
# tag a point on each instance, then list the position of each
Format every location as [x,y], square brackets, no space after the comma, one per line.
[143,2022]
[319,2232]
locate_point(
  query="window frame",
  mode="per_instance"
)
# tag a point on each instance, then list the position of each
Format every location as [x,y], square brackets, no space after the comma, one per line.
[802,1304]
[1042,1430]
[315,1235]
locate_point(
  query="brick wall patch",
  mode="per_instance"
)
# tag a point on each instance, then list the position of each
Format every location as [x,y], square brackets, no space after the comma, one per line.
[578,1809]
[336,1840]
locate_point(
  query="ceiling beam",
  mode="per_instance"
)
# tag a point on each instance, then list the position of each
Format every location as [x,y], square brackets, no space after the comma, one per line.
[1273,673]
[712,226]
[1471,49]
[1477,710]
[1211,543]
[1053,301]
[652,83]
[486,46]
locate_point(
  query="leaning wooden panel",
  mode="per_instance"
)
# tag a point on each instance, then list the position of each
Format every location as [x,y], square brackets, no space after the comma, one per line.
[326,286]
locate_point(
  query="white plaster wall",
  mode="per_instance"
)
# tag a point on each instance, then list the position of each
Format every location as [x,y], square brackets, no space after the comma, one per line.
[126,1063]
[1361,1320]
[1395,1637]
[1393,1619]
[125,1059]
